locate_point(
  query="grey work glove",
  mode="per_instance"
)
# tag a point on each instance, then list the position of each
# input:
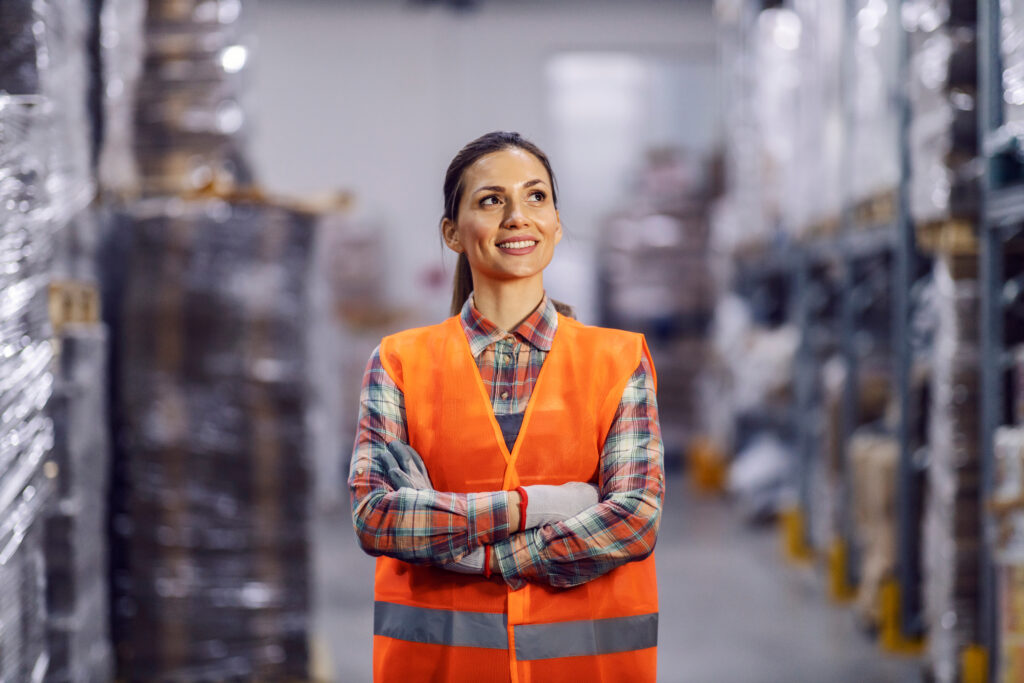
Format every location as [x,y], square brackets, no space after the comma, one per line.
[405,467]
[548,504]
[473,563]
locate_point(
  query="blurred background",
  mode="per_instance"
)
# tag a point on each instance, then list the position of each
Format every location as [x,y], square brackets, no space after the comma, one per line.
[211,211]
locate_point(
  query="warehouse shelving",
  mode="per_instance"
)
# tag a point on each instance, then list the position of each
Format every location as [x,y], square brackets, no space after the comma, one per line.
[1000,236]
[833,310]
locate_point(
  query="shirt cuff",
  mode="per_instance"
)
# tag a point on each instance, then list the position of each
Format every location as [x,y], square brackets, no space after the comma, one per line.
[488,516]
[518,558]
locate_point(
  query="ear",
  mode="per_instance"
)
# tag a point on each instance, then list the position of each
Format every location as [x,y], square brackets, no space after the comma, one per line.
[451,235]
[558,228]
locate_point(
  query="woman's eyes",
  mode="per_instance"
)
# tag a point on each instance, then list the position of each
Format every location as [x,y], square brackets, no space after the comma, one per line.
[494,200]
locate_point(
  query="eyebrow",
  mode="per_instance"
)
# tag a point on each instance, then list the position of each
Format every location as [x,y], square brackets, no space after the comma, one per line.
[499,188]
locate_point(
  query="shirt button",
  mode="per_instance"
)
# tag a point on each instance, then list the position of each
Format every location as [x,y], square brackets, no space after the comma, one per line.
[504,395]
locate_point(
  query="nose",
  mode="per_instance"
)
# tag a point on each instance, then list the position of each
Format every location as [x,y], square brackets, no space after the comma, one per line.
[514,216]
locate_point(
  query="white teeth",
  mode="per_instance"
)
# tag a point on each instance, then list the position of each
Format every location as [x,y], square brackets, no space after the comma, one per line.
[517,245]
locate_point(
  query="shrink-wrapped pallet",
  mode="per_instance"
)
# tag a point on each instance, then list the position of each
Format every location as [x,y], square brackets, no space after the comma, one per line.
[76,529]
[190,125]
[1011,43]
[211,576]
[943,133]
[875,107]
[26,353]
[1008,505]
[952,524]
[814,204]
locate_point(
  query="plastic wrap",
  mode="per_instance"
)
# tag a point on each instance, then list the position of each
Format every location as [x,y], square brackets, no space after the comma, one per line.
[814,203]
[775,97]
[1008,499]
[738,220]
[64,75]
[43,51]
[874,132]
[26,354]
[212,480]
[190,125]
[76,530]
[19,67]
[23,647]
[1012,48]
[952,525]
[1018,384]
[945,170]
[122,41]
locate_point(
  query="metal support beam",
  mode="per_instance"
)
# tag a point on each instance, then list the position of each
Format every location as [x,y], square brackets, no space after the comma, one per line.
[908,493]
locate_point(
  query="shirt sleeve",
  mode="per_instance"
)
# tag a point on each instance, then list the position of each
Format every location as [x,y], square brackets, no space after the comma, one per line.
[420,527]
[623,527]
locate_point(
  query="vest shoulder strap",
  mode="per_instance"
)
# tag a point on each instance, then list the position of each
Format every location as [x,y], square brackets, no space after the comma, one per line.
[401,344]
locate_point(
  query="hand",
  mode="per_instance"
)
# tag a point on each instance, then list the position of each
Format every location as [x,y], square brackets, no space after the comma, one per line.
[473,563]
[405,467]
[548,504]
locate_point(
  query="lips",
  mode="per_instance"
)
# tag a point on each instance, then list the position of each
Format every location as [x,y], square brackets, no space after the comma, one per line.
[518,246]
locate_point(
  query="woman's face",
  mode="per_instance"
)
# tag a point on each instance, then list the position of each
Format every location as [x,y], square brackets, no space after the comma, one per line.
[507,224]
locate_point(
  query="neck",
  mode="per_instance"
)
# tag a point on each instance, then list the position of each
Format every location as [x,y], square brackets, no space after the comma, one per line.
[507,303]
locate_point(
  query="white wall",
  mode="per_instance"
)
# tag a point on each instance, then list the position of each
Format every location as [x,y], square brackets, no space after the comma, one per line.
[377,97]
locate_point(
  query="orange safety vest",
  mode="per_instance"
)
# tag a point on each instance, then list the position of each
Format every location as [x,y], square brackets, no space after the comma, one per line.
[435,625]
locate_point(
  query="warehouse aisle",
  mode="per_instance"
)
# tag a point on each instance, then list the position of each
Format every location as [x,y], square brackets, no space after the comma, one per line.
[731,610]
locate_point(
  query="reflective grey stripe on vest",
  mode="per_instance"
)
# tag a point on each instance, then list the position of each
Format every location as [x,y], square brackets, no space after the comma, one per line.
[440,626]
[591,637]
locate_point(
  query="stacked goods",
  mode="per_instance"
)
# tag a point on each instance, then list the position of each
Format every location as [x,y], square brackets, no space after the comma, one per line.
[122,42]
[943,128]
[875,116]
[739,221]
[48,52]
[816,164]
[656,280]
[26,352]
[19,70]
[775,102]
[874,459]
[43,52]
[211,558]
[76,563]
[952,518]
[1012,43]
[1008,503]
[190,126]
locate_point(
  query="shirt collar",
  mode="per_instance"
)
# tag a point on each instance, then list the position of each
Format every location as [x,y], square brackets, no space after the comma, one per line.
[538,330]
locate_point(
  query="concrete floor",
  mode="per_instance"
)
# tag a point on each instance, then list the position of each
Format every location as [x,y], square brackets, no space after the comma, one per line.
[731,610]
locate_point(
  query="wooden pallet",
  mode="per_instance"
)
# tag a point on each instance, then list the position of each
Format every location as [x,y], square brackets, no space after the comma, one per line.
[71,302]
[956,237]
[876,210]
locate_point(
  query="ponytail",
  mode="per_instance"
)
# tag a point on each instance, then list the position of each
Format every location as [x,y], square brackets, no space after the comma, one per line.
[462,285]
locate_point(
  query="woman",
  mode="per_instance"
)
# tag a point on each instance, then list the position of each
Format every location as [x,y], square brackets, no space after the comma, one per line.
[508,464]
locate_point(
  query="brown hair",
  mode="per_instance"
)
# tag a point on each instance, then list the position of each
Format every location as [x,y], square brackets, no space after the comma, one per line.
[462,285]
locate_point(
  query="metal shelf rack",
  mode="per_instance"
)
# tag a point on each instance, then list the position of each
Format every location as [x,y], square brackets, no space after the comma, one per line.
[1000,237]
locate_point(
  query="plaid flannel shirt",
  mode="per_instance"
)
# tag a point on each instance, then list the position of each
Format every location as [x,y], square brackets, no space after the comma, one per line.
[436,527]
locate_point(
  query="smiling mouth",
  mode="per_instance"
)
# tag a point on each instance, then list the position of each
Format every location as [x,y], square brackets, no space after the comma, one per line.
[517,244]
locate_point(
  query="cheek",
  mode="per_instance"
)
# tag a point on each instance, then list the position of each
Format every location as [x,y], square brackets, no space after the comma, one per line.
[474,231]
